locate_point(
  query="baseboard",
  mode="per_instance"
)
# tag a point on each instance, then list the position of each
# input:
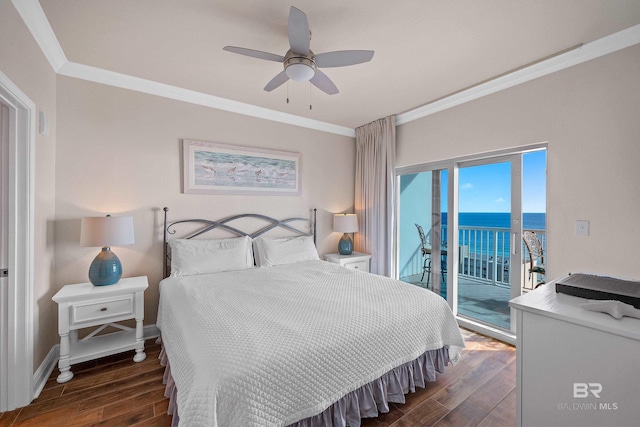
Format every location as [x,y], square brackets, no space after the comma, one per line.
[45,369]
[49,363]
[151,331]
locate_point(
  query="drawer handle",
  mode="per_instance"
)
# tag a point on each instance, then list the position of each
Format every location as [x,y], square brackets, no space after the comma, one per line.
[103,309]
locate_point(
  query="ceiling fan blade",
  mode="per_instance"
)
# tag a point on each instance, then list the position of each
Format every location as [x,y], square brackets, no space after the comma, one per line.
[342,58]
[299,35]
[280,79]
[324,83]
[254,53]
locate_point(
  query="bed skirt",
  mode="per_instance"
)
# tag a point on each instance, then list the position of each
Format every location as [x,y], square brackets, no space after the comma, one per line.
[365,402]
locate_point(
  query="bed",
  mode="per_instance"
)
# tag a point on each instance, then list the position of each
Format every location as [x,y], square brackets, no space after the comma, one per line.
[258,331]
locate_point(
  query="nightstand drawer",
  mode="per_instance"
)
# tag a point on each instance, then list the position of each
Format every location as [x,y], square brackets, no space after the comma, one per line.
[121,307]
[358,265]
[355,261]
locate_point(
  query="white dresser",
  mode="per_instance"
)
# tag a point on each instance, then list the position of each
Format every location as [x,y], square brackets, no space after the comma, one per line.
[574,367]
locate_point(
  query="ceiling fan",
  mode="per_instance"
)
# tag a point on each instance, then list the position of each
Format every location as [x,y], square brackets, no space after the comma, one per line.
[300,63]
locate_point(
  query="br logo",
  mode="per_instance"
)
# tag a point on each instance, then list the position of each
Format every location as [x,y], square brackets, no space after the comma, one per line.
[583,390]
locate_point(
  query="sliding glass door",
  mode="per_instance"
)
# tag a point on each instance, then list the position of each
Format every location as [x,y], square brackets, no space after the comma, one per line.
[489,235]
[459,232]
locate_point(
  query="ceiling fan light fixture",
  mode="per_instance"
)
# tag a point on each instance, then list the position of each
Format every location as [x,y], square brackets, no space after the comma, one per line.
[299,68]
[300,72]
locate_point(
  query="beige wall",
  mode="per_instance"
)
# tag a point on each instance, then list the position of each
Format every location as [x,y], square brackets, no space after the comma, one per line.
[119,152]
[589,115]
[22,61]
[111,150]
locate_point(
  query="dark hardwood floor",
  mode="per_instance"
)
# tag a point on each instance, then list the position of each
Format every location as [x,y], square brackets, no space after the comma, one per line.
[478,391]
[115,391]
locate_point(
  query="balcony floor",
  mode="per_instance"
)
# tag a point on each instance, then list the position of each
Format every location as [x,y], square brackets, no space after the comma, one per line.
[478,300]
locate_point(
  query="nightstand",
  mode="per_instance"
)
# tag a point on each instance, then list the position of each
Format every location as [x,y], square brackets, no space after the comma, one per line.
[85,305]
[356,261]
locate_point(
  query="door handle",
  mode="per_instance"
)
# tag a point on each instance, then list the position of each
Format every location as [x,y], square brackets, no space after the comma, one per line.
[513,244]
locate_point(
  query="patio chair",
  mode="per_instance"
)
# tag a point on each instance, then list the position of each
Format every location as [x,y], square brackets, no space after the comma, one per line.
[426,254]
[534,247]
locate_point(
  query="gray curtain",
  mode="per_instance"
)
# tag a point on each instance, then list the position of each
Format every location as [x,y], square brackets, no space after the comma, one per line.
[375,163]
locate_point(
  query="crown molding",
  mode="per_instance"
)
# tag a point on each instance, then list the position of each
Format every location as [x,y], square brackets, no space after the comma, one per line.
[36,21]
[124,81]
[586,52]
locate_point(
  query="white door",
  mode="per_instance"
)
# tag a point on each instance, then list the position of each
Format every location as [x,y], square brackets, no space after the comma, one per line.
[4,227]
[17,142]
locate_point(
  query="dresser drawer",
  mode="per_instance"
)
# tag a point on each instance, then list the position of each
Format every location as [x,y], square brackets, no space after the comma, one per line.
[358,265]
[99,311]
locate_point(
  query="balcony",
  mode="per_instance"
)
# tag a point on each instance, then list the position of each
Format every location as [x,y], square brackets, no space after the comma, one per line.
[483,272]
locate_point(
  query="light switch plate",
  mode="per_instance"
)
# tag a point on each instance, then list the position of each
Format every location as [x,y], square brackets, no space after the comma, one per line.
[44,124]
[582,228]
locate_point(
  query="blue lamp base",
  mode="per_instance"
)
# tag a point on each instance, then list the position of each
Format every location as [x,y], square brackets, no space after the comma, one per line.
[345,245]
[105,268]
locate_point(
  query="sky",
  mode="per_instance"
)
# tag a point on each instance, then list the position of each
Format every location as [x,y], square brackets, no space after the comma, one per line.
[487,188]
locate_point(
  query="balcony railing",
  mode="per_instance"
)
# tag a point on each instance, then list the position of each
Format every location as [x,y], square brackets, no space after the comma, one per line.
[484,255]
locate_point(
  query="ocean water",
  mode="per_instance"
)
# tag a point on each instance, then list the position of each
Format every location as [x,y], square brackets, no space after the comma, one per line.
[483,242]
[530,220]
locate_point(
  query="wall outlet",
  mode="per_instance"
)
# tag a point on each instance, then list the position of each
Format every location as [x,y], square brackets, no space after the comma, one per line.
[582,228]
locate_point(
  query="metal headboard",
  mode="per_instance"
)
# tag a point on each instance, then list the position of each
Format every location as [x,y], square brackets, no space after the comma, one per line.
[206,226]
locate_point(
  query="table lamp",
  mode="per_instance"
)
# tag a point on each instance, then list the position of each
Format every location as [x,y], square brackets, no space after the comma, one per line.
[345,223]
[105,232]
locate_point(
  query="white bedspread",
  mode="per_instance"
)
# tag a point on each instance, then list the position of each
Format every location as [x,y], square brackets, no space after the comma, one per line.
[271,346]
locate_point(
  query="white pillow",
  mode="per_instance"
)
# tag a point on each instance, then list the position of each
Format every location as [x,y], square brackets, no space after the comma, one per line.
[271,251]
[200,256]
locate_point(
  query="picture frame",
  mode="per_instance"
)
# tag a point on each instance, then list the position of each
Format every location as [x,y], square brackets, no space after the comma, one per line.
[214,168]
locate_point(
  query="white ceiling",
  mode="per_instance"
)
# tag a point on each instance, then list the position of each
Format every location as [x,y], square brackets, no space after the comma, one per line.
[424,49]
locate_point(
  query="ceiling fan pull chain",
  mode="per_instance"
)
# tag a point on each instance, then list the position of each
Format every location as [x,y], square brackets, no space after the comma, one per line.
[310,107]
[287,92]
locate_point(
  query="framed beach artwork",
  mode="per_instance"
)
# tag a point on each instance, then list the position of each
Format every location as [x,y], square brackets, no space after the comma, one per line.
[212,168]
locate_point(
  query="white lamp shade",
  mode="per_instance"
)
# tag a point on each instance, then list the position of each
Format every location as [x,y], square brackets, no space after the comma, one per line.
[345,223]
[106,231]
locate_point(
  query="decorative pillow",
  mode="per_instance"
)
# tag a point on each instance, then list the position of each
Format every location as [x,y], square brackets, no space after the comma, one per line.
[286,250]
[200,256]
